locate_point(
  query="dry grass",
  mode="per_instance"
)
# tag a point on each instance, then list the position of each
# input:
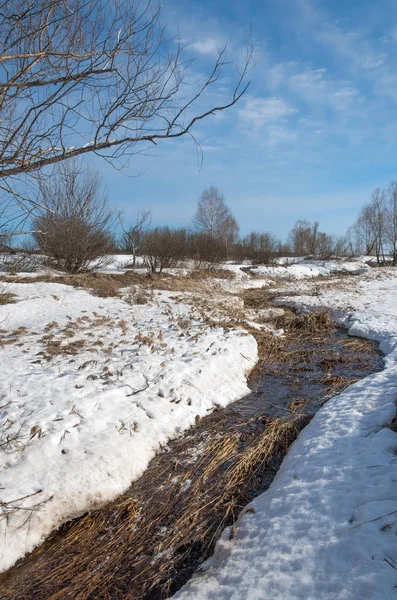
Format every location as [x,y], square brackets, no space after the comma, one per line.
[136,546]
[140,296]
[7,298]
[12,337]
[256,298]
[203,274]
[314,322]
[109,284]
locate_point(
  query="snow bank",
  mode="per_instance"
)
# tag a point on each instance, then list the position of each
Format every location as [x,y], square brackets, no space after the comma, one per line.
[305,270]
[327,526]
[77,429]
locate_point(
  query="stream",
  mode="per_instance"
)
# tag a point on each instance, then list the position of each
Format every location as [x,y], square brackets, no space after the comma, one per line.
[148,543]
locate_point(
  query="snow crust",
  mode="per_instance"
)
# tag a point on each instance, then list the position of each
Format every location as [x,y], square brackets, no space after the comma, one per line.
[309,269]
[326,528]
[77,429]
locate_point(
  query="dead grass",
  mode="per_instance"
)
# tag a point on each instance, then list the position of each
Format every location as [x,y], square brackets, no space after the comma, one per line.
[140,296]
[7,298]
[256,298]
[314,322]
[109,284]
[12,337]
[136,546]
[204,274]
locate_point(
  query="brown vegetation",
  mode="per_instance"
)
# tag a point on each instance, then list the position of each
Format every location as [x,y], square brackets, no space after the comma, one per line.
[137,546]
[7,298]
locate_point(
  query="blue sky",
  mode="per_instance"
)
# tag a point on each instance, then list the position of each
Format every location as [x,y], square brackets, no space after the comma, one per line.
[315,133]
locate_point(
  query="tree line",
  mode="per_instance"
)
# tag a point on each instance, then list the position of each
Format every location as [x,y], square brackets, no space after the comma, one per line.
[75,228]
[375,231]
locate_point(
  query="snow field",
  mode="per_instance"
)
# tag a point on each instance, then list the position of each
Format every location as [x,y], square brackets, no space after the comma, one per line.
[89,390]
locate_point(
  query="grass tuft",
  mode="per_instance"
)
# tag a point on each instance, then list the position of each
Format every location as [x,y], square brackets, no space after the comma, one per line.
[7,298]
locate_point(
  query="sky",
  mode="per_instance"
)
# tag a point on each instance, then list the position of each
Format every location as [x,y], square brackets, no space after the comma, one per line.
[313,136]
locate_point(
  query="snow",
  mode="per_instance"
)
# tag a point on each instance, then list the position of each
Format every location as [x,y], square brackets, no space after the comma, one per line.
[326,528]
[309,269]
[78,428]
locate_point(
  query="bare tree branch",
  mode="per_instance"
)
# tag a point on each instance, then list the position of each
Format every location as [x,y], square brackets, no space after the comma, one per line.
[80,76]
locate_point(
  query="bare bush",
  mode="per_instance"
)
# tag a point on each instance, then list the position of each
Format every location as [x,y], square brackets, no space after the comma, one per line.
[22,263]
[205,251]
[260,248]
[75,227]
[164,248]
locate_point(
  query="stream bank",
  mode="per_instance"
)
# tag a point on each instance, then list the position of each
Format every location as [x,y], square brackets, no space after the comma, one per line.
[148,542]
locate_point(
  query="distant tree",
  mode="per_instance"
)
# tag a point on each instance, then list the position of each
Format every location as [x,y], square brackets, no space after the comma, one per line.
[132,238]
[6,240]
[363,233]
[378,220]
[391,218]
[215,218]
[75,227]
[375,231]
[303,238]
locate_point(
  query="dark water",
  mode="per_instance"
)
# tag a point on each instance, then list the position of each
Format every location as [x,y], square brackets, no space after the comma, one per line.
[312,371]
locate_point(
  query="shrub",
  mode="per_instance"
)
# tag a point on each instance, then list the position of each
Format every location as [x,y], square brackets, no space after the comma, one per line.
[74,225]
[164,248]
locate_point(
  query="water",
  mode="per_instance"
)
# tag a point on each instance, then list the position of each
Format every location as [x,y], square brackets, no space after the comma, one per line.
[313,369]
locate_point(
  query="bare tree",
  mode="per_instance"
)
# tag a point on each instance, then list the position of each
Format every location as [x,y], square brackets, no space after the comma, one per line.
[391,218]
[375,219]
[362,233]
[372,230]
[92,76]
[132,238]
[303,237]
[215,218]
[75,230]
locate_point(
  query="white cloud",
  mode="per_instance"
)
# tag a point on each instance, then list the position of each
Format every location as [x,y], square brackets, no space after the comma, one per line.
[210,46]
[373,62]
[316,88]
[258,112]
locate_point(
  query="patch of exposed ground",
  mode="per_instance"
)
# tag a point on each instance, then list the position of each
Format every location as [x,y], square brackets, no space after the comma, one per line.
[6,298]
[107,285]
[147,543]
